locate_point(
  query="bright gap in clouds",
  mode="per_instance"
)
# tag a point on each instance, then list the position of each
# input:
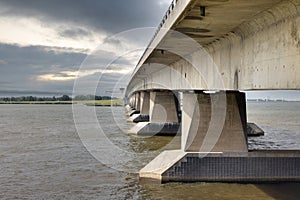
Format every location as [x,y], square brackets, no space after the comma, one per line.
[33,32]
[72,75]
[93,71]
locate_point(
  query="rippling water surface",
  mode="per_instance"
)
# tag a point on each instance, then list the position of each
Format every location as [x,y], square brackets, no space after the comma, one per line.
[42,156]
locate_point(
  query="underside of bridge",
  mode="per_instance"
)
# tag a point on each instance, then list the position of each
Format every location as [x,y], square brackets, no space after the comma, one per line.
[203,54]
[224,45]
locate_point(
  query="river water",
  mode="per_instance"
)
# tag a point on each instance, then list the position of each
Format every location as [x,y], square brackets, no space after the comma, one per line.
[43,157]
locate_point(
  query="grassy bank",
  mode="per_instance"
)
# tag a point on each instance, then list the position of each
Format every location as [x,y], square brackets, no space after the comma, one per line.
[114,102]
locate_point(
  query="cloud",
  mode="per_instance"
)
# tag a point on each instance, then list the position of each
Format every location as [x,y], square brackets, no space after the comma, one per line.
[61,76]
[38,68]
[23,64]
[72,75]
[43,43]
[75,33]
[75,25]
[111,16]
[32,31]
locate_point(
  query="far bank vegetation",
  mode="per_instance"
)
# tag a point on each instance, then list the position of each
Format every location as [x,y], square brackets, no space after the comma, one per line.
[90,100]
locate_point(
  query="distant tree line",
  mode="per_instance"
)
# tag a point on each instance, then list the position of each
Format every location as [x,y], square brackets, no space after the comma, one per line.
[91,97]
[62,98]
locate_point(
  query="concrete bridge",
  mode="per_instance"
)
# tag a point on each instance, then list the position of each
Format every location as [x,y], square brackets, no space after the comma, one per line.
[190,78]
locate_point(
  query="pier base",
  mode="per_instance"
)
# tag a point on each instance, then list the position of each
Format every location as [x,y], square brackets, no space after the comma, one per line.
[250,167]
[139,118]
[133,112]
[148,128]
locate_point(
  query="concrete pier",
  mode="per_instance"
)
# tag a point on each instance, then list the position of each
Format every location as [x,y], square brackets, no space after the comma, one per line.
[134,105]
[144,107]
[255,48]
[214,122]
[214,146]
[163,117]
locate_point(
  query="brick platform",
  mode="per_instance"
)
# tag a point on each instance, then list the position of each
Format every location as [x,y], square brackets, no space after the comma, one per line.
[260,166]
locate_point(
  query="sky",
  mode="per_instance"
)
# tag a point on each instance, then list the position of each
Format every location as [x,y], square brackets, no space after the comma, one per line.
[47,47]
[43,44]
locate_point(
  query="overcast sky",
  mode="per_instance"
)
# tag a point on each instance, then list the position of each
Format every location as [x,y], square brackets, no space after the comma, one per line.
[43,44]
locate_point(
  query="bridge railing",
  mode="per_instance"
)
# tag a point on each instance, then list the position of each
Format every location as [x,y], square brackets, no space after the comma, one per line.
[170,9]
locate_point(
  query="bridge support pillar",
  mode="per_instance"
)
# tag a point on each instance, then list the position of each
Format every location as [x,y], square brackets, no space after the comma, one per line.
[130,101]
[134,104]
[144,106]
[163,116]
[214,146]
[214,122]
[130,105]
[137,101]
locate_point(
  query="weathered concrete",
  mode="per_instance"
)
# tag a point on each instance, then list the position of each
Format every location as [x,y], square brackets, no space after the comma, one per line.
[163,107]
[137,101]
[144,107]
[161,164]
[233,45]
[211,122]
[247,45]
[141,118]
[137,117]
[132,112]
[256,166]
[163,117]
[263,166]
[214,122]
[155,128]
[145,103]
[131,102]
[214,146]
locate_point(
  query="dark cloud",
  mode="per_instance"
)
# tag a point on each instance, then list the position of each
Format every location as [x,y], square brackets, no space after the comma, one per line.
[23,64]
[106,15]
[113,41]
[74,33]
[39,58]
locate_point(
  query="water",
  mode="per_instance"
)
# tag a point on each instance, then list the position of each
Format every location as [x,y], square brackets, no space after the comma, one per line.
[279,120]
[42,156]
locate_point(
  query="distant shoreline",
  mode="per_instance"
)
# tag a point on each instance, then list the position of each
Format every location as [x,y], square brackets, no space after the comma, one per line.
[270,101]
[114,102]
